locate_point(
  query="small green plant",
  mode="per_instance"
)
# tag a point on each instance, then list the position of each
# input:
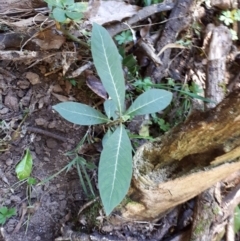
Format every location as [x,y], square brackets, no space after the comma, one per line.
[124,37]
[6,213]
[164,126]
[115,166]
[229,17]
[66,9]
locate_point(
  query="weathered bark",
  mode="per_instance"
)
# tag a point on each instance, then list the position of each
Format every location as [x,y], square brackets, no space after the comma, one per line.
[219,43]
[179,19]
[178,167]
[220,39]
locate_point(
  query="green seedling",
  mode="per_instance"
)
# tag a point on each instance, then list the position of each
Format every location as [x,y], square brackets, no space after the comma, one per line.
[115,166]
[164,126]
[64,10]
[124,37]
[24,167]
[6,213]
[230,17]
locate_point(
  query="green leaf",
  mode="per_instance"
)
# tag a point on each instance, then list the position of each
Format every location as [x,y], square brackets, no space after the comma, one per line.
[68,2]
[226,17]
[110,109]
[106,137]
[237,15]
[115,169]
[80,114]
[11,212]
[149,102]
[54,3]
[31,181]
[59,15]
[131,63]
[74,15]
[2,219]
[124,37]
[108,64]
[236,219]
[81,6]
[6,213]
[4,210]
[24,167]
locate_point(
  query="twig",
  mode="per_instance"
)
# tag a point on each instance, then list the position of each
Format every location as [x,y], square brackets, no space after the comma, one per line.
[87,205]
[46,133]
[142,14]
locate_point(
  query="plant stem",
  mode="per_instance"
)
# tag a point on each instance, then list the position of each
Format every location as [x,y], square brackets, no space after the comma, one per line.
[74,38]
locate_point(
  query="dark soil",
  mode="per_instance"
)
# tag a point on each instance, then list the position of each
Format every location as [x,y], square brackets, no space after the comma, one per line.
[63,194]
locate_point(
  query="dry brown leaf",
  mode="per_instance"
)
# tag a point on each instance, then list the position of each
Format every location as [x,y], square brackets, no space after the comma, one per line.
[63,98]
[29,21]
[49,39]
[110,11]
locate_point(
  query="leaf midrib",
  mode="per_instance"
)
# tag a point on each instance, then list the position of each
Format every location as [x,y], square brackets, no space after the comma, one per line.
[116,162]
[144,105]
[110,72]
[84,114]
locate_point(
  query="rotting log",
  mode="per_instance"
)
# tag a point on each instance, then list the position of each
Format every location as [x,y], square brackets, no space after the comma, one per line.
[178,167]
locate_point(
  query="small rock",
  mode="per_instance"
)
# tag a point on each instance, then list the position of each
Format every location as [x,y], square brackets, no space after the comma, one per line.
[42,69]
[40,121]
[20,93]
[46,159]
[61,197]
[25,100]
[9,162]
[33,78]
[51,143]
[23,84]
[11,102]
[16,199]
[52,124]
[4,111]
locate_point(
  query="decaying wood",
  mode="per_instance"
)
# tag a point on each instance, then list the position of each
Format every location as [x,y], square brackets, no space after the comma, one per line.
[177,167]
[179,19]
[218,43]
[206,209]
[224,4]
[142,14]
[219,48]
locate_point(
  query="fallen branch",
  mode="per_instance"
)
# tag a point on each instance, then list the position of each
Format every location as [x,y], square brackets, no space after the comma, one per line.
[142,14]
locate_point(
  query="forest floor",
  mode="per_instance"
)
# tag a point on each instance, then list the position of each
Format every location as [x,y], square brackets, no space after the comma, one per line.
[29,87]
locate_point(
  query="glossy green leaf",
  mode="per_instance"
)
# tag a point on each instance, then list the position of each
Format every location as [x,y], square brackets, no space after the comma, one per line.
[108,64]
[115,169]
[80,114]
[24,167]
[149,102]
[59,14]
[110,109]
